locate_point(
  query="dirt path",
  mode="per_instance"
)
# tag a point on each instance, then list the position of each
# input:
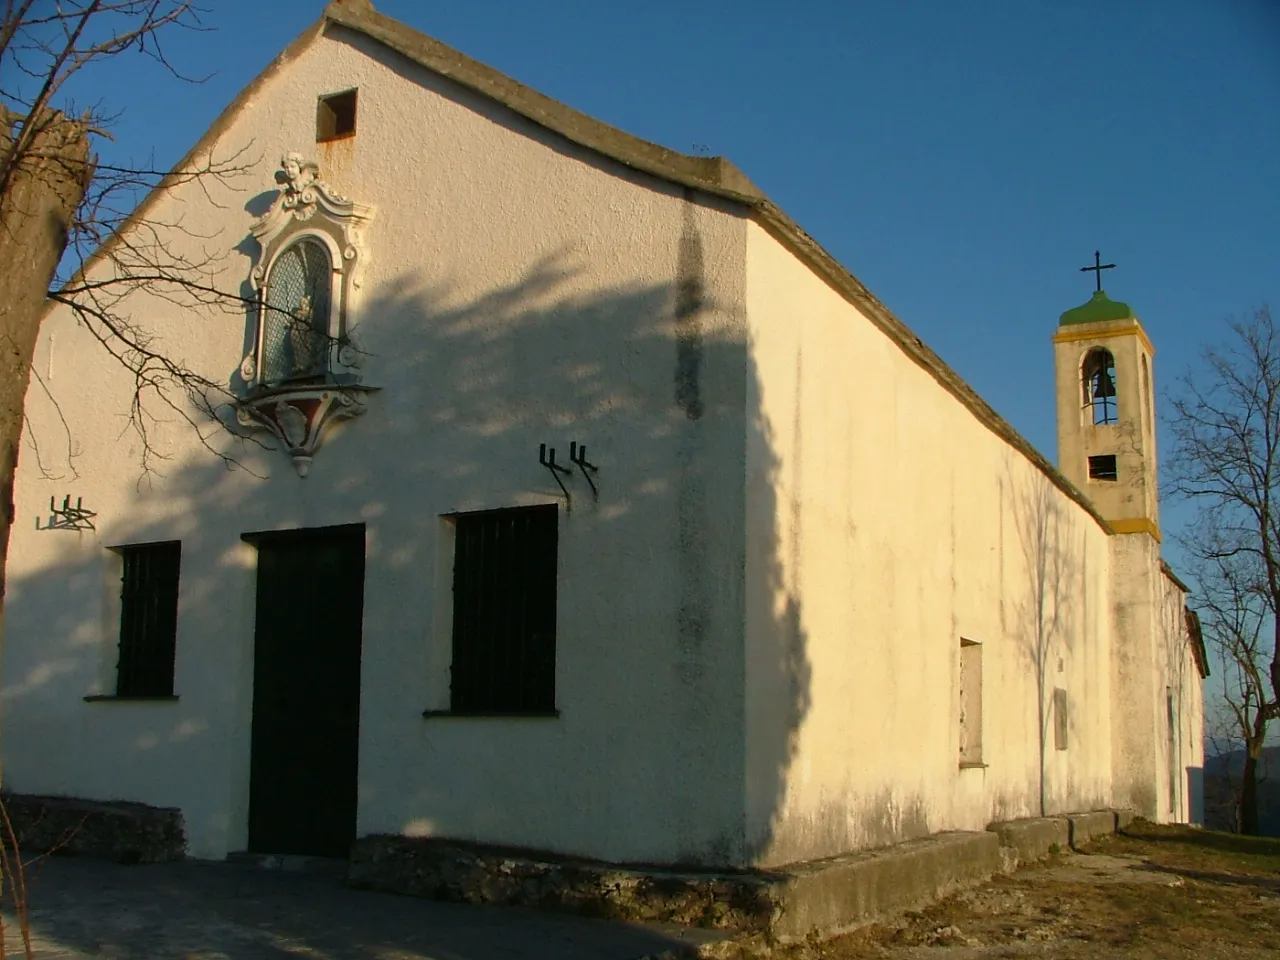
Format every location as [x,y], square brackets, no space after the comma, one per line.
[1156,892]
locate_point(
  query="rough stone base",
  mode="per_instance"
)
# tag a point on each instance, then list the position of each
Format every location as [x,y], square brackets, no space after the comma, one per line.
[821,897]
[114,830]
[444,870]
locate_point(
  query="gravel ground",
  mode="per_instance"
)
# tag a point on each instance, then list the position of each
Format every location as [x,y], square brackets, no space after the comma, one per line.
[1156,892]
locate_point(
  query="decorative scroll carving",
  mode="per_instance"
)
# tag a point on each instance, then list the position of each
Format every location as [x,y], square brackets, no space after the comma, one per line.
[301,417]
[302,197]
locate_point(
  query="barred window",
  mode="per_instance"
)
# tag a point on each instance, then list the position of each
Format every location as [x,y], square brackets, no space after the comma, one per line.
[295,329]
[504,611]
[1104,467]
[148,619]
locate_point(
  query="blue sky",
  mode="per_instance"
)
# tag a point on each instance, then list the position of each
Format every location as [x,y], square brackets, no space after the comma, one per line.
[962,159]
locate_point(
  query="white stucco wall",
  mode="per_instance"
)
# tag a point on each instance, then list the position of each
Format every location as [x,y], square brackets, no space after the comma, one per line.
[885,524]
[759,622]
[1180,746]
[516,291]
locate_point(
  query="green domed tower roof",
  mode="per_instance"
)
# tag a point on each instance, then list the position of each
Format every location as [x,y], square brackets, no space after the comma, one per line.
[1099,308]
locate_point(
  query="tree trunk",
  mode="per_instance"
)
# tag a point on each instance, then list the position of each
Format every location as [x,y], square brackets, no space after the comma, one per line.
[1249,795]
[1253,747]
[44,187]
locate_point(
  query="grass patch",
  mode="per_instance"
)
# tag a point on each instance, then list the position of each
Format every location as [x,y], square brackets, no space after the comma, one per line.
[1180,847]
[1152,893]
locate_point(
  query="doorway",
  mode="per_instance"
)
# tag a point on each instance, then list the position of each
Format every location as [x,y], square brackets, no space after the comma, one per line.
[304,746]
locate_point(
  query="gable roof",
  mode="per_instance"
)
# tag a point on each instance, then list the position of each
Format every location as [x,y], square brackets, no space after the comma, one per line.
[712,175]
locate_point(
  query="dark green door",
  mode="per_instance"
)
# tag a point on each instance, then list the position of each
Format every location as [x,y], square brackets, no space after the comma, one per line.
[306,691]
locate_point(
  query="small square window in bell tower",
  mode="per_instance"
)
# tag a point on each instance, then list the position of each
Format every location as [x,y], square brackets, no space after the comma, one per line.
[1103,468]
[336,116]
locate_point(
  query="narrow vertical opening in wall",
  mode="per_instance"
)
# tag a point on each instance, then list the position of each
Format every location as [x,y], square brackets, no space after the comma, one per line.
[1099,382]
[1174,771]
[1146,394]
[970,703]
[1059,719]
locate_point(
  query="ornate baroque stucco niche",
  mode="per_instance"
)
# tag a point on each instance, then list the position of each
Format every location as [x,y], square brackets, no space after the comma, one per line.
[305,370]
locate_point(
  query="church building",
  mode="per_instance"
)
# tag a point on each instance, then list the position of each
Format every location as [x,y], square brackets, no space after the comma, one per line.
[546,504]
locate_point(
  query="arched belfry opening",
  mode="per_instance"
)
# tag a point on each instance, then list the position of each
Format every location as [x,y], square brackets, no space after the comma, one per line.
[1099,383]
[1103,384]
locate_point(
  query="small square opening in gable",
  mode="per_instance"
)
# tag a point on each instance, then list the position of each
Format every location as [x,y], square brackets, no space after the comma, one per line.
[336,116]
[1103,468]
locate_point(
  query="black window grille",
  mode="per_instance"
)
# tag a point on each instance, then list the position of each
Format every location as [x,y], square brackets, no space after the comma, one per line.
[1103,468]
[148,620]
[504,611]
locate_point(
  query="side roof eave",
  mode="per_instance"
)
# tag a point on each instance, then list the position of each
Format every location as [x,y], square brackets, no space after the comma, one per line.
[713,175]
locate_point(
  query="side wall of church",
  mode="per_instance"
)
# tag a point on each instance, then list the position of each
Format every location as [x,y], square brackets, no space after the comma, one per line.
[920,584]
[1157,737]
[517,290]
[1181,710]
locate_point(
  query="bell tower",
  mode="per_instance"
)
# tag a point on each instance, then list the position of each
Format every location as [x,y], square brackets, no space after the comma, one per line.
[1106,412]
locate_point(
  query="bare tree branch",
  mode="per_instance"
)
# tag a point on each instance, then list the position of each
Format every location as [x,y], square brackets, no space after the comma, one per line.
[1226,427]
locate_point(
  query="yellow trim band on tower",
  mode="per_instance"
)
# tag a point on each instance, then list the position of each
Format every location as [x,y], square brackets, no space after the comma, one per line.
[1136,525]
[1130,328]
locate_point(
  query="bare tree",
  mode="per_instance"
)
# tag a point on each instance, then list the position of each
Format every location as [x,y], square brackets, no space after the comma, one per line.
[1234,609]
[72,233]
[71,228]
[1226,462]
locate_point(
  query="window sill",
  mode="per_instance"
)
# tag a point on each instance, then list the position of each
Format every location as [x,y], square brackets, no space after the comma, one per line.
[115,698]
[495,714]
[336,137]
[978,765]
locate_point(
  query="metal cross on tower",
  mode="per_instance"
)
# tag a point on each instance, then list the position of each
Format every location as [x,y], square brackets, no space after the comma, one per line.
[1097,268]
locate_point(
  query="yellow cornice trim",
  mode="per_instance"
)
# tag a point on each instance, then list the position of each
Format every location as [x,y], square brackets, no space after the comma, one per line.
[1136,525]
[1110,331]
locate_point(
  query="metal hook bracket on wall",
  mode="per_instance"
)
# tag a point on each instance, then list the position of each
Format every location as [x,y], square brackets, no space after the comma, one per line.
[578,455]
[68,517]
[548,460]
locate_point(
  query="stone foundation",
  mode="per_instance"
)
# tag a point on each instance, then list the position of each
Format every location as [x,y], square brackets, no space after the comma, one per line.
[1087,826]
[466,873]
[1026,841]
[822,896]
[827,897]
[107,830]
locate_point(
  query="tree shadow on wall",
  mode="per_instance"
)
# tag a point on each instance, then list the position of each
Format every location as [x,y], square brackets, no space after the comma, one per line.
[648,752]
[1047,624]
